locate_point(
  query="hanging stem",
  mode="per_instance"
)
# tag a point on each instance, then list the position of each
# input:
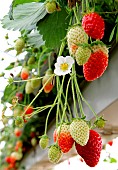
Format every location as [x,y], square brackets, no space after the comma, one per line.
[49,62]
[87,6]
[59,100]
[37,94]
[62,47]
[83,6]
[73,92]
[76,15]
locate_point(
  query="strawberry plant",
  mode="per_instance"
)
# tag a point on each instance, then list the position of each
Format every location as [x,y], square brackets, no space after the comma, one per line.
[63,43]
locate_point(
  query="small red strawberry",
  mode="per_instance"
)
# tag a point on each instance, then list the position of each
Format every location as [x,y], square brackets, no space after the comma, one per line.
[50,81]
[95,66]
[64,138]
[20,96]
[110,142]
[93,25]
[17,132]
[24,73]
[92,150]
[28,110]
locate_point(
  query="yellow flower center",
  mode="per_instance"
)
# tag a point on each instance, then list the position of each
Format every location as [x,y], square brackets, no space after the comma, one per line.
[64,66]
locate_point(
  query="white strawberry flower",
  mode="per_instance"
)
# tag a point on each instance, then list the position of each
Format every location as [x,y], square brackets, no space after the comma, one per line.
[63,65]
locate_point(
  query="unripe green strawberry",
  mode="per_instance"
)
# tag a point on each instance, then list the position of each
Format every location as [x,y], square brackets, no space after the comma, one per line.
[4,120]
[76,36]
[24,73]
[79,131]
[28,88]
[44,141]
[100,47]
[50,6]
[31,60]
[54,154]
[19,45]
[34,141]
[35,83]
[17,111]
[100,122]
[82,55]
[19,121]
[64,138]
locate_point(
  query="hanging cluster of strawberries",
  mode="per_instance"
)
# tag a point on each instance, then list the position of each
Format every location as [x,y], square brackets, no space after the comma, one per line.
[93,56]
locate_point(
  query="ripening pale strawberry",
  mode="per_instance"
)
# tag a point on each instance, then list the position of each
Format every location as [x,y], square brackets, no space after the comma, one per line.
[24,73]
[92,150]
[64,138]
[75,36]
[95,66]
[17,155]
[54,154]
[82,55]
[44,141]
[17,132]
[19,45]
[100,47]
[93,25]
[28,88]
[79,131]
[17,111]
[48,81]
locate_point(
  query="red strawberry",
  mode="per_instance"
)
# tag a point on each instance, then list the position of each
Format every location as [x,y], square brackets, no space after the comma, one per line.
[64,138]
[93,25]
[20,96]
[29,110]
[110,143]
[17,132]
[95,66]
[24,74]
[50,81]
[92,150]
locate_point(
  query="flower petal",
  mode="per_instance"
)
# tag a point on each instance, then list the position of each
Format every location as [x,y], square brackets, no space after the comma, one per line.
[69,60]
[60,59]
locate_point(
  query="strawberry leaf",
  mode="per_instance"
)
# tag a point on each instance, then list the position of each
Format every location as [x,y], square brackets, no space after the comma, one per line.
[25,19]
[35,39]
[53,28]
[16,2]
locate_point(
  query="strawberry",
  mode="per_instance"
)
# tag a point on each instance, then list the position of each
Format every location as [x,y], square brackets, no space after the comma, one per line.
[17,132]
[34,141]
[44,141]
[28,88]
[100,122]
[31,60]
[79,131]
[95,66]
[17,111]
[19,45]
[110,142]
[35,82]
[47,81]
[10,159]
[19,121]
[17,155]
[100,46]
[20,96]
[64,138]
[28,110]
[75,36]
[54,154]
[24,73]
[82,55]
[19,143]
[92,150]
[93,25]
[50,6]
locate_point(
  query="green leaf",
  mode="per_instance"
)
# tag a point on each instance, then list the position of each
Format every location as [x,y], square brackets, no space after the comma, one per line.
[113,160]
[17,2]
[35,39]
[112,34]
[25,16]
[53,27]
[117,34]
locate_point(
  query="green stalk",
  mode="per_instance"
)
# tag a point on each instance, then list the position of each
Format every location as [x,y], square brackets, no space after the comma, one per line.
[76,16]
[62,47]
